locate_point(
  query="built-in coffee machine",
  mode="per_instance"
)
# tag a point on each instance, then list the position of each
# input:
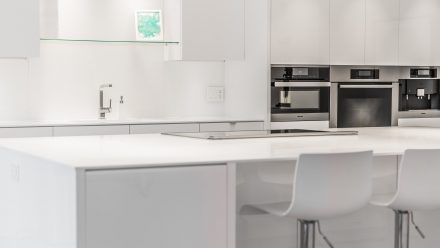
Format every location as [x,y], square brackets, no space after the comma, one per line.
[420,95]
[300,93]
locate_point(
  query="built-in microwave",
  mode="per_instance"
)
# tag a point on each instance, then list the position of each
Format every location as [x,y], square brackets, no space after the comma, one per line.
[300,94]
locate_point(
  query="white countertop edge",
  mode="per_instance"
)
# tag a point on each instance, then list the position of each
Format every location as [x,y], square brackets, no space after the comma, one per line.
[155,150]
[202,163]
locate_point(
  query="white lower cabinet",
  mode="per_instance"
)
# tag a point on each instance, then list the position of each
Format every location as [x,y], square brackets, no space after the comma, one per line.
[91,130]
[165,128]
[183,207]
[19,132]
[22,132]
[231,126]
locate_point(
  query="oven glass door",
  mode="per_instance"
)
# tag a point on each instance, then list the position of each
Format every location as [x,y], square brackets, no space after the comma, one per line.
[364,107]
[300,100]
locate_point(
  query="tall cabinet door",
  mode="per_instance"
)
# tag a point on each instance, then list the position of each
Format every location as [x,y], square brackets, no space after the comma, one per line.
[19,25]
[382,32]
[347,32]
[418,34]
[183,207]
[213,30]
[435,32]
[300,32]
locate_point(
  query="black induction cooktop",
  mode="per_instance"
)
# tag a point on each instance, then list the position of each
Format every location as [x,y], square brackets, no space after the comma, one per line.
[261,134]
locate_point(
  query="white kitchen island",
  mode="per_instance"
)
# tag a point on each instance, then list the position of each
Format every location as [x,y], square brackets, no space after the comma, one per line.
[165,192]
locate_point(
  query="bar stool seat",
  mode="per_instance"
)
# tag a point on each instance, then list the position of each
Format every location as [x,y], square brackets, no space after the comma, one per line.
[324,186]
[276,208]
[382,199]
[418,188]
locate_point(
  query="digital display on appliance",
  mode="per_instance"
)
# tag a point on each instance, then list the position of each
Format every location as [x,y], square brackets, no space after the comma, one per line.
[424,72]
[364,73]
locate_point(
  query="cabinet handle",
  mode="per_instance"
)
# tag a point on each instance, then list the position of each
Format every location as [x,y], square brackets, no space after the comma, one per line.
[366,86]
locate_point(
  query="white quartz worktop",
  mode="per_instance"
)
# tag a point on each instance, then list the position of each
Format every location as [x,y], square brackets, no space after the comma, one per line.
[131,121]
[160,150]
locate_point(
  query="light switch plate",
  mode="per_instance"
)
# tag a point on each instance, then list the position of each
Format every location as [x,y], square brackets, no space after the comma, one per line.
[215,94]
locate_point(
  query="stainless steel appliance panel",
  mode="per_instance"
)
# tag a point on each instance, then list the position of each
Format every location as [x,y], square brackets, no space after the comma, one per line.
[300,117]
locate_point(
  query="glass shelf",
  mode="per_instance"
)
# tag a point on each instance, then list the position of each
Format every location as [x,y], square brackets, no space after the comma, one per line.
[112,41]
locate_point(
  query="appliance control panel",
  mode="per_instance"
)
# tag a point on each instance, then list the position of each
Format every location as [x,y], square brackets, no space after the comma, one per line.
[364,74]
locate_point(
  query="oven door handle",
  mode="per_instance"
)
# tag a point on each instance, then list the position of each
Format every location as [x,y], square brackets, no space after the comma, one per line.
[302,84]
[364,86]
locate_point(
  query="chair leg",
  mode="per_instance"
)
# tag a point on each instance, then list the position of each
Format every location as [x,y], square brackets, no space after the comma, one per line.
[306,234]
[323,236]
[401,229]
[411,214]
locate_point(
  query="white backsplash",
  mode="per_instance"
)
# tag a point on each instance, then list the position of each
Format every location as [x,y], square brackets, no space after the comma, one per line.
[66,79]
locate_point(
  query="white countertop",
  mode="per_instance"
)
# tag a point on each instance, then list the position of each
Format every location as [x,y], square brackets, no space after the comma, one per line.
[153,150]
[131,121]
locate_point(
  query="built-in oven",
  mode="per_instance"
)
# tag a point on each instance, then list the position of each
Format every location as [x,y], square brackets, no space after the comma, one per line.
[364,104]
[300,94]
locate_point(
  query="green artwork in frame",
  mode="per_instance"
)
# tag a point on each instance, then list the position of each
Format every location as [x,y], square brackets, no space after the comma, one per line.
[149,25]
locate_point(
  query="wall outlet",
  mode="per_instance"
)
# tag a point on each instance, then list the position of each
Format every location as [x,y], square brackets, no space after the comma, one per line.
[215,94]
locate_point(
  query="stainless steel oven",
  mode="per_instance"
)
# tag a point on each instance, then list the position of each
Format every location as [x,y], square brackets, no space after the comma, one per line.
[300,94]
[364,104]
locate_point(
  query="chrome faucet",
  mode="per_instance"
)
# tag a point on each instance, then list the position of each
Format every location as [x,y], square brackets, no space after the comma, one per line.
[104,110]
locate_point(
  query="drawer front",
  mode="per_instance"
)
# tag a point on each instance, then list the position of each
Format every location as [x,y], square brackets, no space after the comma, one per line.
[183,207]
[91,130]
[216,127]
[165,128]
[22,132]
[248,126]
[231,126]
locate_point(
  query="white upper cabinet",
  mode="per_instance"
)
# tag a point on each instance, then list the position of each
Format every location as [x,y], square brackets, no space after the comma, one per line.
[418,34]
[300,32]
[208,30]
[19,25]
[347,32]
[382,32]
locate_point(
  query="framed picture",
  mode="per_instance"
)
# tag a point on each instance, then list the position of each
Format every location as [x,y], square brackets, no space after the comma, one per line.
[149,25]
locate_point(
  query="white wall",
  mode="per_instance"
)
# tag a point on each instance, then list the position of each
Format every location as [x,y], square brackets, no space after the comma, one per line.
[14,84]
[63,82]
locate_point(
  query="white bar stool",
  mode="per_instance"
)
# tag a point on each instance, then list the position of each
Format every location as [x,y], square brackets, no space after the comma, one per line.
[324,186]
[418,188]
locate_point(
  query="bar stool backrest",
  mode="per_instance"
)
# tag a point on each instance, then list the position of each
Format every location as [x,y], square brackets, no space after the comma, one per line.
[330,185]
[418,184]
